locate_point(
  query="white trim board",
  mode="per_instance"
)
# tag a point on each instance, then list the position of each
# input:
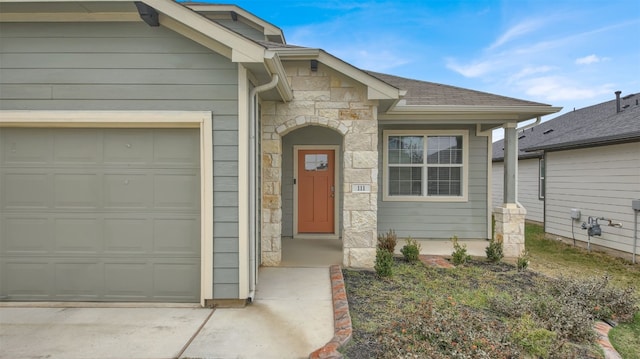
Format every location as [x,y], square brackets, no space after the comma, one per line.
[145,119]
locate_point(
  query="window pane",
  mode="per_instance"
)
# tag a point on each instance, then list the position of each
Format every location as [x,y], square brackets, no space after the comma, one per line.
[405,181]
[444,149]
[444,181]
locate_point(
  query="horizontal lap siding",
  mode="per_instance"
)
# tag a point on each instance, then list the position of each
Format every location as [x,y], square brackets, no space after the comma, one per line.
[527,187]
[439,220]
[600,182]
[131,66]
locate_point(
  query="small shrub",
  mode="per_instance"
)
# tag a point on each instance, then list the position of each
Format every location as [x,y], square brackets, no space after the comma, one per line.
[384,263]
[494,251]
[411,250]
[522,263]
[596,297]
[459,255]
[387,241]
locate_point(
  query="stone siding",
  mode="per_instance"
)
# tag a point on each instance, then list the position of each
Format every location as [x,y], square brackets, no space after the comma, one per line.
[324,98]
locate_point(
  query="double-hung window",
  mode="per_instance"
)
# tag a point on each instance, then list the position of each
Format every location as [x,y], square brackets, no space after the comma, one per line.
[425,165]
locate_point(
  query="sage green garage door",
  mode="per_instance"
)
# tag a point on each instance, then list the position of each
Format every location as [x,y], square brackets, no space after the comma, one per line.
[99,214]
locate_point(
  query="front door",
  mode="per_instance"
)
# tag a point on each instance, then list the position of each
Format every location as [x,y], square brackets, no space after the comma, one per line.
[316,191]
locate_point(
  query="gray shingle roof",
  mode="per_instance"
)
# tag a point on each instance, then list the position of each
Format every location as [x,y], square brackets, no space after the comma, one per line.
[423,93]
[590,126]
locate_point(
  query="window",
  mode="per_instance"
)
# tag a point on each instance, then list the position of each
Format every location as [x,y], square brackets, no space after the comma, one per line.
[541,178]
[421,165]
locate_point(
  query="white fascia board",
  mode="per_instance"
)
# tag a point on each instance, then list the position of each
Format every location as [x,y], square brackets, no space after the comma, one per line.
[518,113]
[376,89]
[267,27]
[274,65]
[242,49]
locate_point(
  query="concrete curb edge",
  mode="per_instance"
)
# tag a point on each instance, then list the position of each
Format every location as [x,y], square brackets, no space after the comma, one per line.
[342,329]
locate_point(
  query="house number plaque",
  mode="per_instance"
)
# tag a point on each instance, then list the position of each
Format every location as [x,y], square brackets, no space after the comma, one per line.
[361,188]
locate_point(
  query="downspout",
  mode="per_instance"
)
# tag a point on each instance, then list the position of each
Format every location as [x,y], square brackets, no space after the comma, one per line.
[522,129]
[252,145]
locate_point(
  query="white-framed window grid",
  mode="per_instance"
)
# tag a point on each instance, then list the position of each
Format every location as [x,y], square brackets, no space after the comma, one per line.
[423,165]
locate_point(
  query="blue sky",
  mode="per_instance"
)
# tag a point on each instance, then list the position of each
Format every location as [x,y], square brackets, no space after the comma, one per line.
[568,53]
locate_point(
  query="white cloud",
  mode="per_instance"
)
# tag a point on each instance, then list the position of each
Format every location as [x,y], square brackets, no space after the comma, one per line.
[516,31]
[588,60]
[528,71]
[558,88]
[475,69]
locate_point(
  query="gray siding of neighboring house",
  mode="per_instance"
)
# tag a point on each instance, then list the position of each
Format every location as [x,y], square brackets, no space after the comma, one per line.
[600,182]
[310,135]
[131,66]
[440,220]
[528,171]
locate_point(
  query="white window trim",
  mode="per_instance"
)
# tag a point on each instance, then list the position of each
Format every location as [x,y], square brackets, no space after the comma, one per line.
[542,178]
[465,166]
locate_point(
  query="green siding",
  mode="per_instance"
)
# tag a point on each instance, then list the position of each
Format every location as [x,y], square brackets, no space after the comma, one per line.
[131,66]
[440,220]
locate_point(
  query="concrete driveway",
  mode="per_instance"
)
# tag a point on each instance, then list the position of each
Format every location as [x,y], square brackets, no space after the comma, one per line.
[292,315]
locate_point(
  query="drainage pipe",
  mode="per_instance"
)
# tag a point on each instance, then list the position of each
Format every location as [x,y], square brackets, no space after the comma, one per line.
[635,235]
[252,153]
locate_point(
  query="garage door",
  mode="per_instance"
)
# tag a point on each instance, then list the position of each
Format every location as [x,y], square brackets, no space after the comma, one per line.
[99,214]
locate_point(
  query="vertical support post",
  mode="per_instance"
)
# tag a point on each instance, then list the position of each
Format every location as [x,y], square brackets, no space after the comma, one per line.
[510,216]
[510,163]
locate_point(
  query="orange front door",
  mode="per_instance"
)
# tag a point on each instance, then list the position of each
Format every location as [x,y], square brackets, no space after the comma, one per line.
[316,191]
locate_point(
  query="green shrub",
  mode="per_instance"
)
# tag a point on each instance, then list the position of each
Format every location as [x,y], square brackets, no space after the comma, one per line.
[494,251]
[384,263]
[459,255]
[522,263]
[537,341]
[387,241]
[411,250]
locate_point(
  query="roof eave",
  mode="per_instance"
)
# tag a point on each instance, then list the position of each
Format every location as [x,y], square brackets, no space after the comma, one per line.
[376,89]
[517,113]
[609,140]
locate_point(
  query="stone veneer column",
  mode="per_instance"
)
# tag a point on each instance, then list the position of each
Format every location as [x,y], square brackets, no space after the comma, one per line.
[324,98]
[510,228]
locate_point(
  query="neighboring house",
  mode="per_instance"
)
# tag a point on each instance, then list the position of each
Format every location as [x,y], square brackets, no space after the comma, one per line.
[588,160]
[159,151]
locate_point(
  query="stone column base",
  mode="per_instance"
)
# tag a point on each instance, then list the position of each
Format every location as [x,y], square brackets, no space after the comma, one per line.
[510,228]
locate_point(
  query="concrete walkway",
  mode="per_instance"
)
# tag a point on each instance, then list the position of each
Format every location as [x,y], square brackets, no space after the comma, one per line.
[292,316]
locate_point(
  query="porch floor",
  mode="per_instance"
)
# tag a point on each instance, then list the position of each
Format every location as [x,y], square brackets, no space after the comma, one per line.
[311,252]
[327,252]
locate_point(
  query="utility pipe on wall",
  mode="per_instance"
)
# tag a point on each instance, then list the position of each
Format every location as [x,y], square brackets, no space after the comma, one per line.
[253,188]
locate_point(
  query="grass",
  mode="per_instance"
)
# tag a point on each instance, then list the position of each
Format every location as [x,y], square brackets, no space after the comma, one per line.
[484,310]
[555,259]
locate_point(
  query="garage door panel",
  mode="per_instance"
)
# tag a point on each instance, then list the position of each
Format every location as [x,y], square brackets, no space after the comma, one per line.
[100,214]
[177,236]
[35,280]
[26,146]
[77,280]
[80,235]
[25,235]
[25,191]
[127,191]
[127,279]
[175,149]
[77,146]
[77,190]
[184,279]
[177,191]
[127,235]
[128,147]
